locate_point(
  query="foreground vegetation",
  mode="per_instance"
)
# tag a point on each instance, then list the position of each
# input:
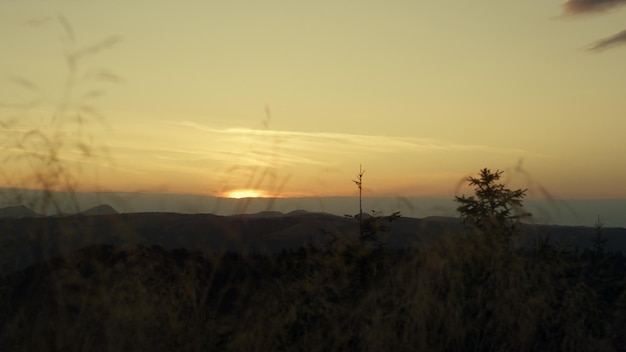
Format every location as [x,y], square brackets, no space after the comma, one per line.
[476,291]
[463,294]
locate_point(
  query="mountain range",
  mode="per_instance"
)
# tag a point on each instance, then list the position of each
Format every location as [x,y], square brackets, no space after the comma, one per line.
[23,211]
[549,211]
[27,237]
[18,212]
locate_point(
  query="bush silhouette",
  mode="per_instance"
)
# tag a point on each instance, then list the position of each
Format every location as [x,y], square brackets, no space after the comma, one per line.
[494,208]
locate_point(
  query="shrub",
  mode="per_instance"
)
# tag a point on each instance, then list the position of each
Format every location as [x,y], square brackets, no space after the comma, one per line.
[494,208]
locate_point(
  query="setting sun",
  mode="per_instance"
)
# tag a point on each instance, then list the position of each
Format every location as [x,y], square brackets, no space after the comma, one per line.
[245,193]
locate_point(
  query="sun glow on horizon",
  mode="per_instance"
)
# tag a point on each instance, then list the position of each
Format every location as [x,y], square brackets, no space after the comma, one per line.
[245,193]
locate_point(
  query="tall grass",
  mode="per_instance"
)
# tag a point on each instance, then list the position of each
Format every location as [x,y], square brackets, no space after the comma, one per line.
[465,292]
[47,145]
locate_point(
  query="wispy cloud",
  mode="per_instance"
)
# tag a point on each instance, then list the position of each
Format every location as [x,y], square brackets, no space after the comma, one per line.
[343,142]
[576,7]
[610,42]
[581,7]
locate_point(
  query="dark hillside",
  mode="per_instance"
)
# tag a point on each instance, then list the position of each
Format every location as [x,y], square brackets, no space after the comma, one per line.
[104,209]
[463,295]
[18,212]
[26,241]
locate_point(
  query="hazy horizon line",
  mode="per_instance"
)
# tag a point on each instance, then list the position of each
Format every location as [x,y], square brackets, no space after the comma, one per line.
[555,211]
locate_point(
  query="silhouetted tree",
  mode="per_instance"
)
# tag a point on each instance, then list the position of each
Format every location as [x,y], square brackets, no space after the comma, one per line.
[493,208]
[599,239]
[359,184]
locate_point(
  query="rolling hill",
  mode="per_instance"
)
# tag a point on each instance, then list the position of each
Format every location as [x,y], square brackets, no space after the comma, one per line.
[26,240]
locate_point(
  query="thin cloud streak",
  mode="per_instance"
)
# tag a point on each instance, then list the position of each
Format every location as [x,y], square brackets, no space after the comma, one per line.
[610,42]
[347,142]
[198,154]
[209,155]
[579,7]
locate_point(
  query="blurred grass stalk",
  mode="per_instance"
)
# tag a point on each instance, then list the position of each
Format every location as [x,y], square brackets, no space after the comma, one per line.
[47,144]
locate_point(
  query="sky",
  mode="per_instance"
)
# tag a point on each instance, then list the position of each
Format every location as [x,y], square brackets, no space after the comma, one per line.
[291,98]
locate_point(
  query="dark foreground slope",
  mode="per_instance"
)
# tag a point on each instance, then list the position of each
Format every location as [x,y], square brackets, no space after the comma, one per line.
[303,281]
[462,294]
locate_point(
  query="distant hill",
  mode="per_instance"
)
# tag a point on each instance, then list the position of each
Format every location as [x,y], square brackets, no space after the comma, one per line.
[20,230]
[22,211]
[262,214]
[18,212]
[104,209]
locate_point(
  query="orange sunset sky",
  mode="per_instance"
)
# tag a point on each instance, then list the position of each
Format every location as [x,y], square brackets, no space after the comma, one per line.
[288,98]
